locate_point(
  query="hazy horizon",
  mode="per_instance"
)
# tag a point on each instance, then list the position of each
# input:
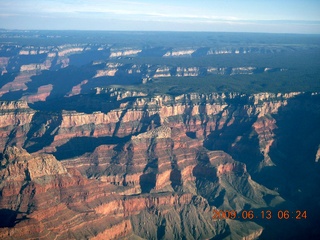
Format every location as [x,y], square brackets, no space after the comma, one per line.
[263,16]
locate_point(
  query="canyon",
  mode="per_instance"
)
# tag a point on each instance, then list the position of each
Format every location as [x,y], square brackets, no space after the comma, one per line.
[106,138]
[27,63]
[147,166]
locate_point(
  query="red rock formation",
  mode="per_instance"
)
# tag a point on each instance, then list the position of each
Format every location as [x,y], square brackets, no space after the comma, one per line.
[158,171]
[265,127]
[57,201]
[15,119]
[18,83]
[41,95]
[50,201]
[77,89]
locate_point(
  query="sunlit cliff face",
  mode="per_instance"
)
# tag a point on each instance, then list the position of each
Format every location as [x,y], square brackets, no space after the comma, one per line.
[151,158]
[109,135]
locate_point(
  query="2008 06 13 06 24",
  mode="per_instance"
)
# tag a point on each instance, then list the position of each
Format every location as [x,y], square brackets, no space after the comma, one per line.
[264,214]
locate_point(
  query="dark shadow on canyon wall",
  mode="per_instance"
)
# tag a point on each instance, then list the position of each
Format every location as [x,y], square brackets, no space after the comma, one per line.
[147,182]
[79,145]
[8,218]
[43,129]
[226,138]
[296,175]
[87,103]
[89,56]
[62,80]
[6,78]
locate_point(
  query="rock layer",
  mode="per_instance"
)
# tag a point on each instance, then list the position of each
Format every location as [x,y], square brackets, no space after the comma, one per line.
[148,167]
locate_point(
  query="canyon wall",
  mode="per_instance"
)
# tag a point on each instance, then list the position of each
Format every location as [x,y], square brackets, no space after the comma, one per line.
[148,167]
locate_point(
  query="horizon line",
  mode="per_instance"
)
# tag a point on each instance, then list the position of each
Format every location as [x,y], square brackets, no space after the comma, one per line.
[155,31]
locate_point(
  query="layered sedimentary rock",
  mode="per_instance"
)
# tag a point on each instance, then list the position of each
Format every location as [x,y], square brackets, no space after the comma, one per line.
[148,167]
[15,118]
[196,115]
[43,199]
[37,195]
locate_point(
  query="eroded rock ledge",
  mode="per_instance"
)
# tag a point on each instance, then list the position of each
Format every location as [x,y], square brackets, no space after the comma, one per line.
[152,160]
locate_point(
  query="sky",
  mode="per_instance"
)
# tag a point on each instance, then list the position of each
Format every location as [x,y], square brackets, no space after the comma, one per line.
[274,16]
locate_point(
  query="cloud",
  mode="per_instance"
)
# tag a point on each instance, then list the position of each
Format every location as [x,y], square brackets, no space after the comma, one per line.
[120,8]
[152,14]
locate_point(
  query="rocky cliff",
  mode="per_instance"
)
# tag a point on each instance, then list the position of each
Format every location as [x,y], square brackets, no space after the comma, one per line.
[151,167]
[43,199]
[24,68]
